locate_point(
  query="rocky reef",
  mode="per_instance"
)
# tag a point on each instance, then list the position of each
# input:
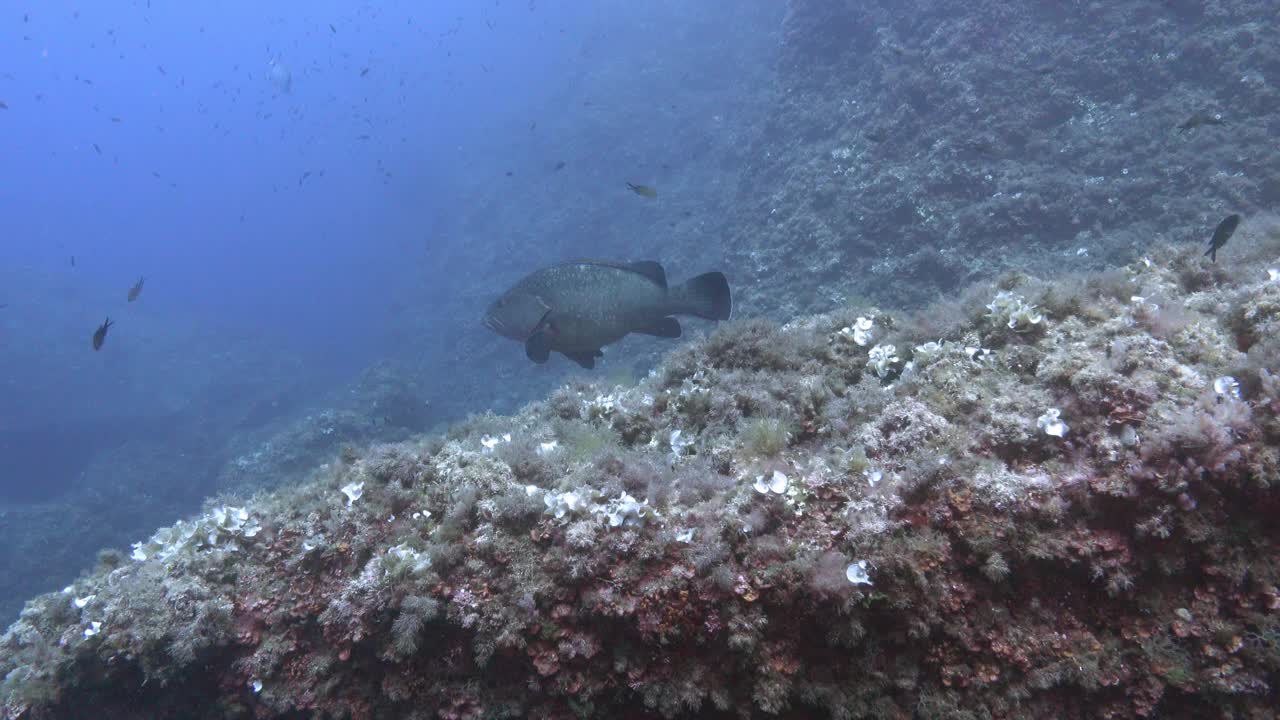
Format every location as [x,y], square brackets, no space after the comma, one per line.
[918,146]
[1039,499]
[235,440]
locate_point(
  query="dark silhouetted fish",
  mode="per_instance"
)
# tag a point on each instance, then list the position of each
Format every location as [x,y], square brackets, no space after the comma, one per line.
[642,190]
[1221,235]
[559,165]
[576,308]
[1200,119]
[100,334]
[136,290]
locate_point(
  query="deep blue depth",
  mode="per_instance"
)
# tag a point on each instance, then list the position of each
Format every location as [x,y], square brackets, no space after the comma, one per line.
[151,140]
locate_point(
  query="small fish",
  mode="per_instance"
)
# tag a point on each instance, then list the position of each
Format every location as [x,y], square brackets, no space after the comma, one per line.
[73,261]
[364,71]
[1199,119]
[333,29]
[3,105]
[100,334]
[559,165]
[1221,235]
[305,175]
[642,190]
[95,147]
[576,308]
[136,290]
[115,119]
[3,305]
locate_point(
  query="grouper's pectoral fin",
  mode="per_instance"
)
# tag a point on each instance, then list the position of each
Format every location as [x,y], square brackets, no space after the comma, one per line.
[586,359]
[538,348]
[667,327]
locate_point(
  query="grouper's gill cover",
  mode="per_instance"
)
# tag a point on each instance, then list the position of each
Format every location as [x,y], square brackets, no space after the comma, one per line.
[576,308]
[516,315]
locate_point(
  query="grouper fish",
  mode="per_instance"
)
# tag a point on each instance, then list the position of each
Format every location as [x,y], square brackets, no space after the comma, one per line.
[576,308]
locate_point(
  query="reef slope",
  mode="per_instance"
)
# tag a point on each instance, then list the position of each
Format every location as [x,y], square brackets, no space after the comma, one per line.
[1040,499]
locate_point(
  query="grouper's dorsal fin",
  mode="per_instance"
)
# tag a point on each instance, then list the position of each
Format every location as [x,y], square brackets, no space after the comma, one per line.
[650,269]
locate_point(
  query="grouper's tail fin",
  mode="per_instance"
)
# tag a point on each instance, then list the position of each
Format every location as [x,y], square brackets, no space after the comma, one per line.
[706,296]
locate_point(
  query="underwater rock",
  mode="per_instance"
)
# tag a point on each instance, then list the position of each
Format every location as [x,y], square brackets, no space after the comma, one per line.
[874,167]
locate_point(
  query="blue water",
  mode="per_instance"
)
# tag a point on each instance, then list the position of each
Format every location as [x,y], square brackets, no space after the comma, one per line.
[422,157]
[227,231]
